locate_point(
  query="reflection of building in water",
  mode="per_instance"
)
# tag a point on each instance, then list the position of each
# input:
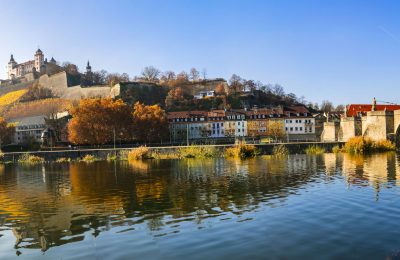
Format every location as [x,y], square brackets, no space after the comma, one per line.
[375,170]
[330,160]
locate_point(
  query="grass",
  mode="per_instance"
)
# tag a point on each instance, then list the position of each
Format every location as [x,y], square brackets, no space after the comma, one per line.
[280,150]
[89,158]
[63,160]
[139,153]
[314,149]
[361,145]
[30,159]
[241,151]
[198,152]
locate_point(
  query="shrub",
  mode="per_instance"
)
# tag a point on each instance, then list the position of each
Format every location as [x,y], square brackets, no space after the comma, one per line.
[336,149]
[314,149]
[63,160]
[360,145]
[280,150]
[111,157]
[89,158]
[241,151]
[139,153]
[198,152]
[30,159]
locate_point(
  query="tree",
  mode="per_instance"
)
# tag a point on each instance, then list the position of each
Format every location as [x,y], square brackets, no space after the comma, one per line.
[275,129]
[37,91]
[235,84]
[70,68]
[150,123]
[220,89]
[340,108]
[174,95]
[194,74]
[7,132]
[326,106]
[151,74]
[99,77]
[115,78]
[249,85]
[278,90]
[94,121]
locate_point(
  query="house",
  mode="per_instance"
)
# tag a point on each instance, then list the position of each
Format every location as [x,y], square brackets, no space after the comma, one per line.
[28,128]
[205,94]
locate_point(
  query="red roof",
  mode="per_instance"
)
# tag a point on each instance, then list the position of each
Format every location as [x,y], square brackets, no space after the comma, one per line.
[362,109]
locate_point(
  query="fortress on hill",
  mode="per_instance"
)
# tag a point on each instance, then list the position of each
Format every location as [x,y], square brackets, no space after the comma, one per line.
[38,64]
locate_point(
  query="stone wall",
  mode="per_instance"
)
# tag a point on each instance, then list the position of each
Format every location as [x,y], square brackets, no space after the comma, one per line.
[349,127]
[378,124]
[59,85]
[330,132]
[293,148]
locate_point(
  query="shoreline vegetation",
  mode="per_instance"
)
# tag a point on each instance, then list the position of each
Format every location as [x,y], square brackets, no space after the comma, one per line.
[356,145]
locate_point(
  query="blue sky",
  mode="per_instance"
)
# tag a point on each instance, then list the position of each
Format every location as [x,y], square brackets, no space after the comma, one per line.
[344,51]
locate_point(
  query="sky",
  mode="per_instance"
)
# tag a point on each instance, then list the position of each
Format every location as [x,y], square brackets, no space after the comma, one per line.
[345,51]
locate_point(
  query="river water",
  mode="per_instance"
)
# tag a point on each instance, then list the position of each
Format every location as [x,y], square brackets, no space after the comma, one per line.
[297,207]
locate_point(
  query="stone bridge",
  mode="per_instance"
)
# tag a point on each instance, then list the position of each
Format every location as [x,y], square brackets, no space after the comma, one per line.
[376,125]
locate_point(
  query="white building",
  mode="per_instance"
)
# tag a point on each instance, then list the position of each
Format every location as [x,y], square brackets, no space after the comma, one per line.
[204,94]
[28,127]
[16,70]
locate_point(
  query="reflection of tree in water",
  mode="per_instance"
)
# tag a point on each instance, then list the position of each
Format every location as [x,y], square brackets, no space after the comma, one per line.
[59,203]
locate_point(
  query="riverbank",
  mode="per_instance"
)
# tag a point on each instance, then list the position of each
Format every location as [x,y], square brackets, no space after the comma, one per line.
[104,154]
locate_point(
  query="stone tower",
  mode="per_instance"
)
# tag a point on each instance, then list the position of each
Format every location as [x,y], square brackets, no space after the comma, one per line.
[10,67]
[88,68]
[39,60]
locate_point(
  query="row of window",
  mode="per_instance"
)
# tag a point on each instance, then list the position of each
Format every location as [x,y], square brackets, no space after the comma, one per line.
[298,121]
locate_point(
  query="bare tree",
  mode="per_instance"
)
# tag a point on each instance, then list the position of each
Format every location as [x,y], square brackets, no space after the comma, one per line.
[194,74]
[150,73]
[278,90]
[235,84]
[204,74]
[326,106]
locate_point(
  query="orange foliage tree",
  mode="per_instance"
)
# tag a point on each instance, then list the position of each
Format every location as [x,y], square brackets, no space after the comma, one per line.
[150,123]
[6,131]
[95,120]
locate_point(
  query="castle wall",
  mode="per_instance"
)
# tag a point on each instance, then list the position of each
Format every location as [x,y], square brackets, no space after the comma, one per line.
[349,127]
[58,83]
[330,132]
[396,121]
[378,124]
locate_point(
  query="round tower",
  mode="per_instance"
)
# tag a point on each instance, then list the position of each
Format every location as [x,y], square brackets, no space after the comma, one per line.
[39,60]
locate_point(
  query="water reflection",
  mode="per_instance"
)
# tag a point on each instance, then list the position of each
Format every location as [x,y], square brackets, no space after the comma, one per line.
[57,204]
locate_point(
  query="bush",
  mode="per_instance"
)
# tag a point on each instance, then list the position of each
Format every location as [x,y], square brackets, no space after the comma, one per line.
[139,153]
[336,149]
[280,150]
[111,157]
[361,145]
[198,152]
[89,158]
[63,160]
[241,151]
[314,149]
[30,159]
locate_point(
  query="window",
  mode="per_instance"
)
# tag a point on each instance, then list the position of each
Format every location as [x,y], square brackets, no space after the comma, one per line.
[301,128]
[286,128]
[291,129]
[295,128]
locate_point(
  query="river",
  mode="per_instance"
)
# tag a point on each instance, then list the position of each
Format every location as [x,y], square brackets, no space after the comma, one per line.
[297,207]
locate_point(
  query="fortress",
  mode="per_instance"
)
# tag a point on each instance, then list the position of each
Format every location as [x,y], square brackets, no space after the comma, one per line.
[38,64]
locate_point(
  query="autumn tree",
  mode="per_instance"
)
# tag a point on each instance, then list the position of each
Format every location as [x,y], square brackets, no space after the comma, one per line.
[175,94]
[220,89]
[275,130]
[150,123]
[94,121]
[7,132]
